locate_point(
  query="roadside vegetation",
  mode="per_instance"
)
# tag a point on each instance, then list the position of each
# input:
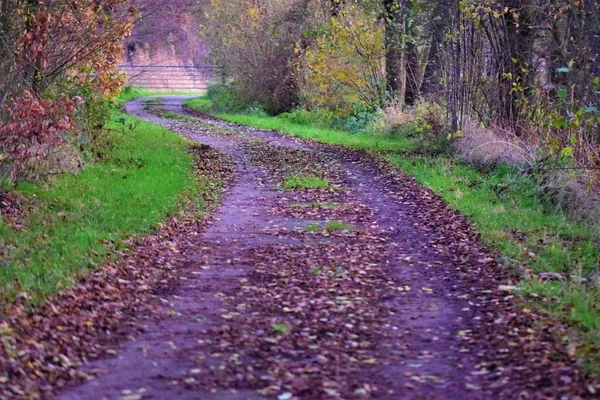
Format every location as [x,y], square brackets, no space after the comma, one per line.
[493,105]
[65,225]
[77,176]
[556,254]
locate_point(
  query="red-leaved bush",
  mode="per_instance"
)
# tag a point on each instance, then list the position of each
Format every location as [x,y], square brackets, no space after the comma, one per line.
[36,128]
[53,53]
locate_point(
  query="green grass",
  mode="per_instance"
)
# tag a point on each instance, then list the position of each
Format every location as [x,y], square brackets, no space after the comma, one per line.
[511,218]
[281,329]
[304,182]
[202,104]
[130,93]
[338,226]
[154,100]
[80,220]
[357,141]
[171,115]
[313,227]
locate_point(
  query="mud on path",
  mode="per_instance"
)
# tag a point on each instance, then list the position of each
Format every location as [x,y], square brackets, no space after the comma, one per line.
[369,288]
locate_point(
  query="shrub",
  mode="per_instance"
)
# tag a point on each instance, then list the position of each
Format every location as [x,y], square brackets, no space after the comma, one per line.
[361,119]
[492,146]
[317,117]
[224,98]
[394,120]
[431,118]
[94,140]
[572,191]
[34,140]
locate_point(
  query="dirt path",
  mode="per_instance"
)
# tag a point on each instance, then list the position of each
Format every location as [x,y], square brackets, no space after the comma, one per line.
[396,301]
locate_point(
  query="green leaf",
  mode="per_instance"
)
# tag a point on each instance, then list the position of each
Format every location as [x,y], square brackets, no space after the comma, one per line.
[566,152]
[562,93]
[560,122]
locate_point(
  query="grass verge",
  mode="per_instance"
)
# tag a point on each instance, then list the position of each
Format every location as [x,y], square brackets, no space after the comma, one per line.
[510,217]
[79,221]
[357,141]
[130,93]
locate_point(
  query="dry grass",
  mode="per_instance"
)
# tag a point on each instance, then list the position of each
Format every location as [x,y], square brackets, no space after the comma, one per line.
[394,119]
[493,146]
[577,194]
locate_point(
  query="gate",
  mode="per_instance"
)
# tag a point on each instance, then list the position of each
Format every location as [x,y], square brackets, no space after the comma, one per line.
[171,77]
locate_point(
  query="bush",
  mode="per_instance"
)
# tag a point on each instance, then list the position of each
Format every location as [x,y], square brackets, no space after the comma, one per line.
[492,146]
[35,139]
[317,117]
[571,191]
[360,120]
[95,140]
[431,118]
[394,120]
[225,99]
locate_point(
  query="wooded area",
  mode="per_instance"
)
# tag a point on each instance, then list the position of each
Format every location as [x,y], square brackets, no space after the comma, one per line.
[373,199]
[521,75]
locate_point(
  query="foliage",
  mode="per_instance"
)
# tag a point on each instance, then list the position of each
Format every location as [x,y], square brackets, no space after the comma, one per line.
[361,119]
[430,118]
[529,67]
[60,59]
[35,131]
[224,98]
[254,43]
[318,117]
[343,65]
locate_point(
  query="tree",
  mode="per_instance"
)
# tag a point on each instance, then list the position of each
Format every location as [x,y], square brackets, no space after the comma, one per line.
[255,44]
[395,55]
[61,58]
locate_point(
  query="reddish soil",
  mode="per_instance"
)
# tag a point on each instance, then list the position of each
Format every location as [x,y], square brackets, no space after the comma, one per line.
[403,302]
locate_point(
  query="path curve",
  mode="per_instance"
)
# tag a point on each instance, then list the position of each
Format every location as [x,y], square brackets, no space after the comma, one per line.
[426,322]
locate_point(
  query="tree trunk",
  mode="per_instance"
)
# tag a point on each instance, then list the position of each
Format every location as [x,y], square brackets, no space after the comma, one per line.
[518,58]
[593,25]
[413,74]
[432,79]
[4,18]
[395,57]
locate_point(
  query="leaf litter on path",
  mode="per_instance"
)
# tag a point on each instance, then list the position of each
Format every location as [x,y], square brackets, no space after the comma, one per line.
[401,307]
